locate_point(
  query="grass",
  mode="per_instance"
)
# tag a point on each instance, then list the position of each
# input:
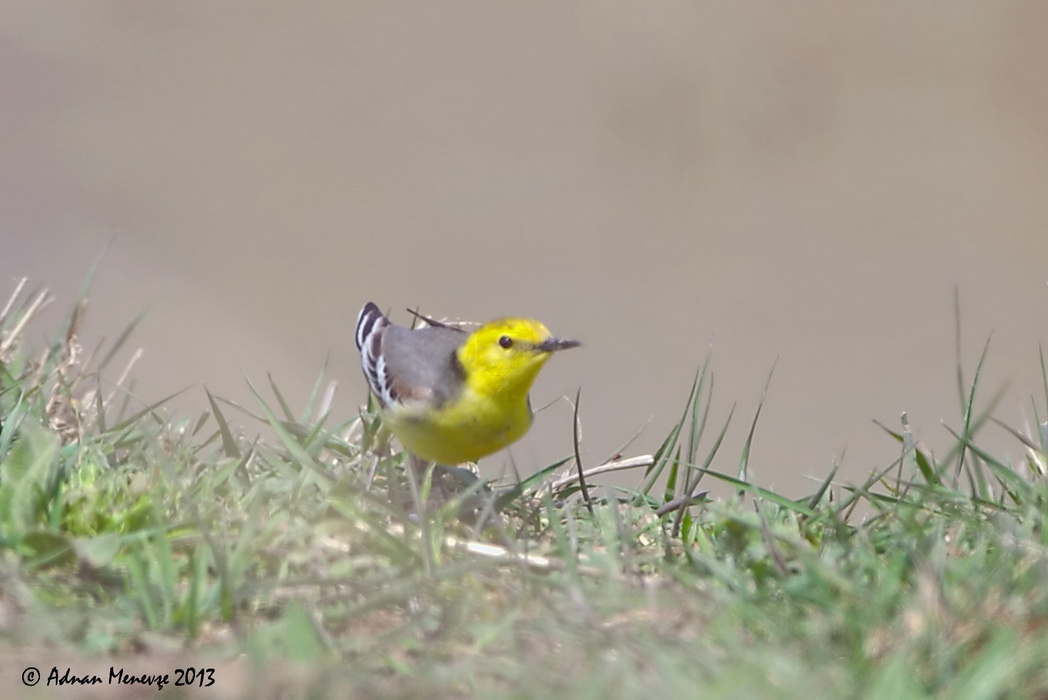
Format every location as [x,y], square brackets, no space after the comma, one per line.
[293,564]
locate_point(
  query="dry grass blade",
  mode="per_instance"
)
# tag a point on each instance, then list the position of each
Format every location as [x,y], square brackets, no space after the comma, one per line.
[327,400]
[616,466]
[124,377]
[41,302]
[535,562]
[435,323]
[11,300]
[63,412]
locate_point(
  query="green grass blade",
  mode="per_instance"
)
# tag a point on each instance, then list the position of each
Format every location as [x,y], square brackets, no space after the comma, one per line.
[229,444]
[24,477]
[744,459]
[930,474]
[132,420]
[312,403]
[289,415]
[1018,487]
[528,485]
[816,497]
[970,403]
[122,339]
[668,445]
[292,445]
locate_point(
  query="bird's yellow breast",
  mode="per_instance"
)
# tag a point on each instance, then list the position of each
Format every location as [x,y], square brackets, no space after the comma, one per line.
[465,430]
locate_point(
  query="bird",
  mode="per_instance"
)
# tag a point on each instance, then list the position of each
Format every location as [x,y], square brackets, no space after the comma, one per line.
[451,396]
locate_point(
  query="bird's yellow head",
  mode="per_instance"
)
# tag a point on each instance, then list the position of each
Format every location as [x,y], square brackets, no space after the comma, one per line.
[504,356]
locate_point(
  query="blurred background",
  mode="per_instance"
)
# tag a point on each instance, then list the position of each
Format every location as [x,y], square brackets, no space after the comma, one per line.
[799,183]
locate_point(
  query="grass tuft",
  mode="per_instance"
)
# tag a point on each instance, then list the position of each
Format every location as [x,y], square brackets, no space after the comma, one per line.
[321,561]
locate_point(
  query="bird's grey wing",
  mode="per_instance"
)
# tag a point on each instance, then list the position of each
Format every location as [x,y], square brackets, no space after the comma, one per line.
[422,364]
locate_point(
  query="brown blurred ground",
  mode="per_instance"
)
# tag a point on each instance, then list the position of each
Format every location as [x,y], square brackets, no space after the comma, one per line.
[802,181]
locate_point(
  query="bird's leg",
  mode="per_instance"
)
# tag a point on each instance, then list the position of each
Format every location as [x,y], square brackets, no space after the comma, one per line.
[380,453]
[416,472]
[433,485]
[427,480]
[415,467]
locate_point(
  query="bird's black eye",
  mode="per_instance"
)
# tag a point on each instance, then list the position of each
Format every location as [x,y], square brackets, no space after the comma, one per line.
[506,342]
